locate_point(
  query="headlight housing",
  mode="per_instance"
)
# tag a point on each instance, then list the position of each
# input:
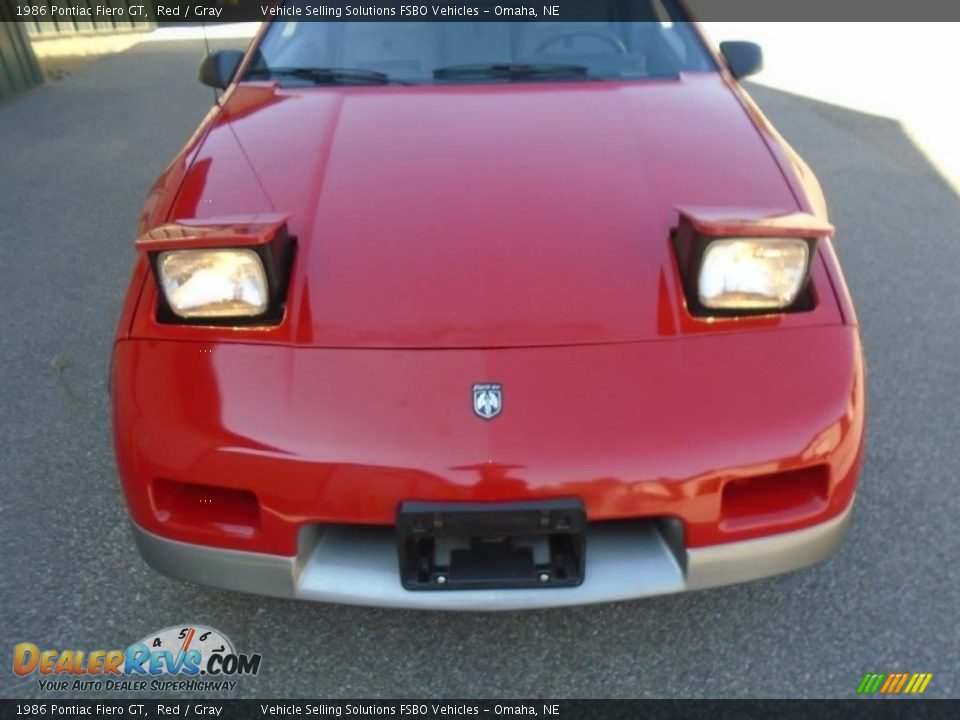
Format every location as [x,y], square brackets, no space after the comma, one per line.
[214,283]
[746,261]
[229,271]
[752,273]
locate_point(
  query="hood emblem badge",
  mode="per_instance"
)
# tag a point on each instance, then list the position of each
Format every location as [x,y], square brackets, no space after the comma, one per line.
[487,400]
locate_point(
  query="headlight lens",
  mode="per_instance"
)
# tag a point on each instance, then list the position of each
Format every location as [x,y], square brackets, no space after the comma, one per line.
[752,273]
[214,283]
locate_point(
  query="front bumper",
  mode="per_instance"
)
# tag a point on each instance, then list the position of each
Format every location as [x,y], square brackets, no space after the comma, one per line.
[736,435]
[358,566]
[699,461]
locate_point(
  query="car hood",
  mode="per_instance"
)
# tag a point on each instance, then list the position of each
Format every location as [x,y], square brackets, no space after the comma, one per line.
[483,215]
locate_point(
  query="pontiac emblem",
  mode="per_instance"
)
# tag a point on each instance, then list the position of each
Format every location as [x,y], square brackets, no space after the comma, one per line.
[487,400]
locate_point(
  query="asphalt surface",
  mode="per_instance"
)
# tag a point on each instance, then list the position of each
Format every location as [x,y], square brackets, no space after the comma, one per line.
[76,160]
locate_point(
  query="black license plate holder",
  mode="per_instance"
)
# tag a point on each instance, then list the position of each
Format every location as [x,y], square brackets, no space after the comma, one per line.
[451,546]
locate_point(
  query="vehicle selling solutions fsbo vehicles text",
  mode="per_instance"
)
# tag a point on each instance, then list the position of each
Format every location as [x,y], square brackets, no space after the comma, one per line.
[402,11]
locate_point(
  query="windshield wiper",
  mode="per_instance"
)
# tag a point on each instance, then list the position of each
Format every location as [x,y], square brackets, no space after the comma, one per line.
[329,75]
[509,71]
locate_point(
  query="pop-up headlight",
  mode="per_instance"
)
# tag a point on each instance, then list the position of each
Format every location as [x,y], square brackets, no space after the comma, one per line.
[213,283]
[221,271]
[748,262]
[752,273]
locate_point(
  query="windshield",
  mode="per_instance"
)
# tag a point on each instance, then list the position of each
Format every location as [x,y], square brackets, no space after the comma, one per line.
[363,53]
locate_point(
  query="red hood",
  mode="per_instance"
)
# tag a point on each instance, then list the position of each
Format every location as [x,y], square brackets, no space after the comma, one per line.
[482,216]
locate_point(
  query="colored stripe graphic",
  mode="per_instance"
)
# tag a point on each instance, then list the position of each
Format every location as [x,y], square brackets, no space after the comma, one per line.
[870,683]
[894,683]
[922,685]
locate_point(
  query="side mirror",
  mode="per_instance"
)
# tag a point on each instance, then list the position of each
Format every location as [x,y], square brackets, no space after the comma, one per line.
[744,58]
[217,68]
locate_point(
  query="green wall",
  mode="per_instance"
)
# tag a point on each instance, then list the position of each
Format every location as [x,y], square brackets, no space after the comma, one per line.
[18,66]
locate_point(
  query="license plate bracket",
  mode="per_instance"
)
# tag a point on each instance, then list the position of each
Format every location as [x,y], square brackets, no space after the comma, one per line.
[450,546]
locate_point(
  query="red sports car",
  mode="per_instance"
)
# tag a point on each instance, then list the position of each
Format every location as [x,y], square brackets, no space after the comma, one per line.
[486,315]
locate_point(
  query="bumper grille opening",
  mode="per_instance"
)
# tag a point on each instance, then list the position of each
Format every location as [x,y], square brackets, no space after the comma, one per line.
[764,499]
[206,507]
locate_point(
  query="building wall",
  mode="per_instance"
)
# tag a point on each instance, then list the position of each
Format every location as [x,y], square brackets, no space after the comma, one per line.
[18,67]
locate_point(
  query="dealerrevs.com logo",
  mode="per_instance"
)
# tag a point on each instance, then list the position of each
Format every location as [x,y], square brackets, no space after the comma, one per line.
[179,658]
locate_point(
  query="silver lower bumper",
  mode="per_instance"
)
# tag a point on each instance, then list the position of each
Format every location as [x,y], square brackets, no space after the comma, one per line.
[358,566]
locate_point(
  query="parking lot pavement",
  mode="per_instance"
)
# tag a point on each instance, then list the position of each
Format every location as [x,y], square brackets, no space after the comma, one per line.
[76,159]
[868,74]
